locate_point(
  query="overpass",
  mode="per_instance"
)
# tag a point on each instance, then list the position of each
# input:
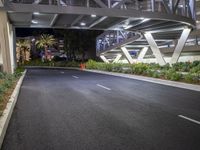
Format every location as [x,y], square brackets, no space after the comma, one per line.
[141,24]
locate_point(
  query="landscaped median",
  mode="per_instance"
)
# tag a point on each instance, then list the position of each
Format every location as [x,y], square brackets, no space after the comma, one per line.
[9,89]
[188,72]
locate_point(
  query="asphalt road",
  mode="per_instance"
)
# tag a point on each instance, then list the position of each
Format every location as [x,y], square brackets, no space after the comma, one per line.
[76,110]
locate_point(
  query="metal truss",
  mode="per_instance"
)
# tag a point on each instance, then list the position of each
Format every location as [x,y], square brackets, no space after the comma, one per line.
[104,59]
[178,47]
[177,7]
[114,39]
[117,58]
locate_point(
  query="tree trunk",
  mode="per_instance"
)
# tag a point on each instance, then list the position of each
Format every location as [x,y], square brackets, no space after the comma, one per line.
[46,51]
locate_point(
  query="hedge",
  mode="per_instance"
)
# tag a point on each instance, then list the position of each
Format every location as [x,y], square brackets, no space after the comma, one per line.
[186,72]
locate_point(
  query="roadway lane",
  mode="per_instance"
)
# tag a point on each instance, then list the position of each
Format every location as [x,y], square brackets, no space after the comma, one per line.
[76,110]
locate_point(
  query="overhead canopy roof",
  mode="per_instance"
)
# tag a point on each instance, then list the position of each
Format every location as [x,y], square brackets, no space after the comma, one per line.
[97,14]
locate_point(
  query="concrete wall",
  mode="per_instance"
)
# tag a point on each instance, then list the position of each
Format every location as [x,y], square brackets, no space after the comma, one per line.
[6,43]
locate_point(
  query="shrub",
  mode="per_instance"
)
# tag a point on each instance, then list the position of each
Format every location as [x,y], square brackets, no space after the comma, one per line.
[195,69]
[91,64]
[171,74]
[117,67]
[188,78]
[107,67]
[139,68]
[149,73]
[2,75]
[156,75]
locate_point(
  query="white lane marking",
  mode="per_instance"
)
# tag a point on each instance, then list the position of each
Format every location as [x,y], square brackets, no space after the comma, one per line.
[99,85]
[75,77]
[187,118]
[62,72]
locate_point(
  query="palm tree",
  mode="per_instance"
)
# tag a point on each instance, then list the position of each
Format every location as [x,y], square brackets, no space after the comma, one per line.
[45,41]
[23,46]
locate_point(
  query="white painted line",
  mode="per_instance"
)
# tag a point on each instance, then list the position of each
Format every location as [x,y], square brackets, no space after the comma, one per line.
[62,72]
[187,118]
[99,85]
[75,77]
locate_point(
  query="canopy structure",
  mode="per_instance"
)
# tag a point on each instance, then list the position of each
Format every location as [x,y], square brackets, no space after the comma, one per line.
[127,23]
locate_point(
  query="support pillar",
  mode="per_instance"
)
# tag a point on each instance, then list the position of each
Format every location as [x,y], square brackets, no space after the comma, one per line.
[142,54]
[154,48]
[179,47]
[117,58]
[104,59]
[127,55]
[5,37]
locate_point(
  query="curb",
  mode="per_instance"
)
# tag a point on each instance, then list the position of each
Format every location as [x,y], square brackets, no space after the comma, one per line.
[5,118]
[152,80]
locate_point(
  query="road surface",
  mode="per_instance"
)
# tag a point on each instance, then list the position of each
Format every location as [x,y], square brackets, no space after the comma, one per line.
[77,110]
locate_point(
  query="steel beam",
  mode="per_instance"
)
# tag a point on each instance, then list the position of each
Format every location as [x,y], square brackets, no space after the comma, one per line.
[127,55]
[117,58]
[104,59]
[100,3]
[179,47]
[54,20]
[105,17]
[154,48]
[142,54]
[109,12]
[37,1]
[77,20]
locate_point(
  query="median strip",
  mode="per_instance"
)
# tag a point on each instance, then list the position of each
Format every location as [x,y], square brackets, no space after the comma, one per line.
[75,77]
[99,85]
[189,119]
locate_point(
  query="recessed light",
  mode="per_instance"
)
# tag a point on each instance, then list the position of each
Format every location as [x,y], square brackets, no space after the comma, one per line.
[35,22]
[93,15]
[36,13]
[82,23]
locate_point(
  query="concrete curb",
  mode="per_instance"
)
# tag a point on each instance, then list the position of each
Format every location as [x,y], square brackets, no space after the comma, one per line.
[5,118]
[153,80]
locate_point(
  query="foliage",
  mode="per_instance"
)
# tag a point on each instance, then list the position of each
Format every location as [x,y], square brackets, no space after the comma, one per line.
[187,72]
[45,40]
[38,62]
[7,80]
[23,50]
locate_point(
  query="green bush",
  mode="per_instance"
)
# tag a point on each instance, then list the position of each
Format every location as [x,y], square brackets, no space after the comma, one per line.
[156,75]
[139,68]
[188,78]
[91,64]
[171,74]
[116,67]
[153,70]
[195,69]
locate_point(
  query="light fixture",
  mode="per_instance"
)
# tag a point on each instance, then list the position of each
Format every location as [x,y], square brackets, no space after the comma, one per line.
[35,22]
[93,15]
[36,13]
[82,23]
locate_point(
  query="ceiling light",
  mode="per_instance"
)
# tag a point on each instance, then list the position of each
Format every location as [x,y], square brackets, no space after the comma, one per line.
[36,13]
[82,23]
[93,15]
[35,22]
